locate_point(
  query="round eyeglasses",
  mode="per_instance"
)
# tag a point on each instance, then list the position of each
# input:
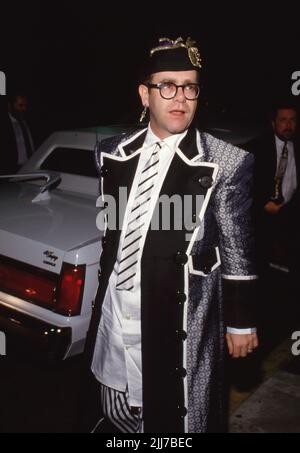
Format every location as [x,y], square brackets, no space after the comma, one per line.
[168,90]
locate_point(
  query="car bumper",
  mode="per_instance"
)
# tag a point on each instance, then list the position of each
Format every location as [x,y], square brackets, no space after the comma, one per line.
[27,335]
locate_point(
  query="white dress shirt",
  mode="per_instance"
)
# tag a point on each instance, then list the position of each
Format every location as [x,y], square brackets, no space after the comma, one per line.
[289,183]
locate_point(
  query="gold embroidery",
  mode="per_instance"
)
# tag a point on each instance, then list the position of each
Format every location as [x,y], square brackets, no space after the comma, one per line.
[167,44]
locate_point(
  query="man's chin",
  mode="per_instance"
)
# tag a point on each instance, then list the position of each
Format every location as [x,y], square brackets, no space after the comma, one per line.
[178,128]
[286,137]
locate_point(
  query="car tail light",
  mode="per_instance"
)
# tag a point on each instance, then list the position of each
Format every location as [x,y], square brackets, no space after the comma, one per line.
[16,280]
[61,294]
[70,290]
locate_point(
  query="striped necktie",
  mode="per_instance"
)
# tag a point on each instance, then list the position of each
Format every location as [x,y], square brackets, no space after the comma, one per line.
[130,254]
[282,166]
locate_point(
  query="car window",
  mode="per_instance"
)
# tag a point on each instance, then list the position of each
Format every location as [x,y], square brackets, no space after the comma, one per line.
[71,160]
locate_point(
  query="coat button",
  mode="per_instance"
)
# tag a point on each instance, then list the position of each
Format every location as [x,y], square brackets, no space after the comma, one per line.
[180,297]
[181,258]
[206,182]
[99,275]
[180,372]
[206,269]
[104,241]
[104,171]
[181,335]
[182,411]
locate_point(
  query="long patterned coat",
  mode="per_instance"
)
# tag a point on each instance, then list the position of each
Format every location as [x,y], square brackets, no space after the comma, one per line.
[190,283]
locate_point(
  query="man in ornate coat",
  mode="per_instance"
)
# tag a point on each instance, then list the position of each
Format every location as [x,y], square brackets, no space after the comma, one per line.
[177,258]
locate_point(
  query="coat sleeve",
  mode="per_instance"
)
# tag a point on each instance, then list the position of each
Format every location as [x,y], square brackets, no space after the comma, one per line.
[233,206]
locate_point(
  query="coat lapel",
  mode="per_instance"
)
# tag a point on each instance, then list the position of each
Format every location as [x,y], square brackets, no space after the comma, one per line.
[190,145]
[132,144]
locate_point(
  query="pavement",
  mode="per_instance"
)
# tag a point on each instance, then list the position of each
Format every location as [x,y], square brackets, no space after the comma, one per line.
[273,408]
[264,390]
[268,401]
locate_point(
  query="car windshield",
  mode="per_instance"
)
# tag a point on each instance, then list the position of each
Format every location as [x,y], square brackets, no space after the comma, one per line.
[74,161]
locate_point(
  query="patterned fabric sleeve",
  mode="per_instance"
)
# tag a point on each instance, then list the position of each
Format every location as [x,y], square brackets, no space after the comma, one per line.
[233,203]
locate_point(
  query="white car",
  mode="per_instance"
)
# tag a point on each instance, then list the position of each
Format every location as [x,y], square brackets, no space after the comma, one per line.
[50,246]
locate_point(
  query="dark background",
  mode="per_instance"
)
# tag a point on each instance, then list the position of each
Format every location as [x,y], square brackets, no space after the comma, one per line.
[79,61]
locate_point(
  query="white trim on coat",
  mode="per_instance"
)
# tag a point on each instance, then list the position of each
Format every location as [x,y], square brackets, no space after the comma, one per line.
[240,277]
[184,361]
[200,273]
[129,140]
[207,196]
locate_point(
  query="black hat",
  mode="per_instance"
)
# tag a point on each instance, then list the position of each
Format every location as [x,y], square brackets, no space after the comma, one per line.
[174,56]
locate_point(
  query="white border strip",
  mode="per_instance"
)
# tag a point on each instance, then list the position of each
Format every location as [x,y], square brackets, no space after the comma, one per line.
[195,272]
[185,381]
[118,159]
[129,140]
[200,149]
[215,168]
[240,277]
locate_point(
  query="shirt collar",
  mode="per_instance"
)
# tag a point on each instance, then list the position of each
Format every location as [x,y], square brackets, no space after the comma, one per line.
[13,119]
[173,141]
[280,143]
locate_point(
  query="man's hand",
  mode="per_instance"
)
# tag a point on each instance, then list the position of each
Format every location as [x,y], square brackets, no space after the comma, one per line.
[241,345]
[272,208]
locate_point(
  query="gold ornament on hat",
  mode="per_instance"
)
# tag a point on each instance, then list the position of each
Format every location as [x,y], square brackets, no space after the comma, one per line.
[168,44]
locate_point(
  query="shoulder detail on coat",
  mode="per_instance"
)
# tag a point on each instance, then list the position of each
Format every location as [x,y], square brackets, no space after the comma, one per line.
[220,146]
[110,146]
[229,157]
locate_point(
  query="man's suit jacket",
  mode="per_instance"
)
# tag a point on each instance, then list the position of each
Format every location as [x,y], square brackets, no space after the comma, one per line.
[8,147]
[275,233]
[265,167]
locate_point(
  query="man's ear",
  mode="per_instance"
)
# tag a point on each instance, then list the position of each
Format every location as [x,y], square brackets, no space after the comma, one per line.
[144,95]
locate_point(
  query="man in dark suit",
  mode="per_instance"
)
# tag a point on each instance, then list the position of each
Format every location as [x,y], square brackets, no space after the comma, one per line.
[16,144]
[277,202]
[277,196]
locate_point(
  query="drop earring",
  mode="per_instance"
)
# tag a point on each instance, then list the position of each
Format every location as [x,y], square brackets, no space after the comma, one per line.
[143,114]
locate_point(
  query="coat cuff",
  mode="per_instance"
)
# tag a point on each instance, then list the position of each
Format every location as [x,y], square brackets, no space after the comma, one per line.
[240,302]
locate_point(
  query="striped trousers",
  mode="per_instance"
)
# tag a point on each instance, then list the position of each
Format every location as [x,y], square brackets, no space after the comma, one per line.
[117,411]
